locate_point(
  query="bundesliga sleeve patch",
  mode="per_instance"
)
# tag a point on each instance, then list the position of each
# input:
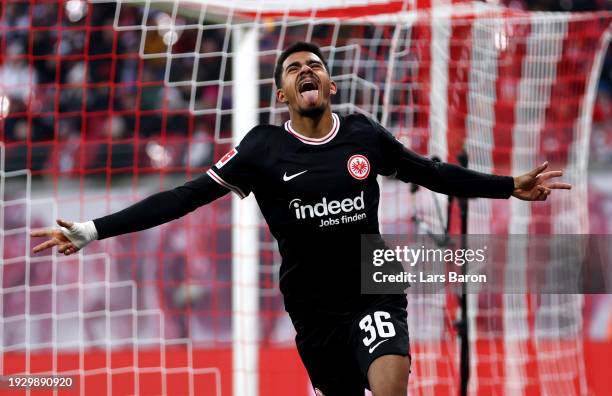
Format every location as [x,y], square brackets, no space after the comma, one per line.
[225,159]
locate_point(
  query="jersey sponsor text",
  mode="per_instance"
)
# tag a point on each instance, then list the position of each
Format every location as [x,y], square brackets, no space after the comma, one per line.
[330,208]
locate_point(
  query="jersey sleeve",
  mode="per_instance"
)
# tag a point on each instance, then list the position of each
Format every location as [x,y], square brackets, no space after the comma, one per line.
[410,167]
[160,208]
[390,149]
[236,169]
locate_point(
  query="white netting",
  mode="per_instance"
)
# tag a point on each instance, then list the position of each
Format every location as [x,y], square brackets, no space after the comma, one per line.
[71,316]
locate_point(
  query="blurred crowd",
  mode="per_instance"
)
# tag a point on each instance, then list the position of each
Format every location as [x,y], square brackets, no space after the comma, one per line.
[49,53]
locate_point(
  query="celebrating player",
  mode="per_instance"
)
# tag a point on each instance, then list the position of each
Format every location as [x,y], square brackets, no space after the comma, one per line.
[314,179]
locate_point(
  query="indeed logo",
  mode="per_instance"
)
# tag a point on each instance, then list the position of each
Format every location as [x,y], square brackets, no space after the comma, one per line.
[325,208]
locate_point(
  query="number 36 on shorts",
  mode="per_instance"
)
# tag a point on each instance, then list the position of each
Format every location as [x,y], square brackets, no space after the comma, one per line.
[376,326]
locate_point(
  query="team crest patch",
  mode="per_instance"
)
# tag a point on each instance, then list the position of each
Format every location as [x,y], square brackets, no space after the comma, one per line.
[230,154]
[358,166]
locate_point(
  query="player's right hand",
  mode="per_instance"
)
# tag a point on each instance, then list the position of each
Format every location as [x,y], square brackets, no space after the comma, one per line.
[69,239]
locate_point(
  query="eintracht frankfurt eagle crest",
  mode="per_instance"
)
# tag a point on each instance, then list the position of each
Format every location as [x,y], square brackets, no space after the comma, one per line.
[358,166]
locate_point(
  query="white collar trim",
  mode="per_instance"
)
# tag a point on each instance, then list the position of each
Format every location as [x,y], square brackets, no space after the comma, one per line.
[316,141]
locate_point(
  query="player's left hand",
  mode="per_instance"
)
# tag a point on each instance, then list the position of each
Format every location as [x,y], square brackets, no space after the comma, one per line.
[537,185]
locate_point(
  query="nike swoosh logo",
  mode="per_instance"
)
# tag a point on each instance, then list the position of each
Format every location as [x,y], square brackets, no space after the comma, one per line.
[287,178]
[377,344]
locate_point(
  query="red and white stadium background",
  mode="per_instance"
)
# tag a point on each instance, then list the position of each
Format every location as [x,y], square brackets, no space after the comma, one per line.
[103,103]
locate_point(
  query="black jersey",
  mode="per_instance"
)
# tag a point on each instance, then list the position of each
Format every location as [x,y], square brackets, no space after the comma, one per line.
[319,195]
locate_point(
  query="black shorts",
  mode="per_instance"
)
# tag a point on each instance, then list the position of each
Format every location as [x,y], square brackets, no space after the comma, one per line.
[337,349]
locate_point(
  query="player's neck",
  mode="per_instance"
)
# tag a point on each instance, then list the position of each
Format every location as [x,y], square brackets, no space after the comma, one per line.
[312,127]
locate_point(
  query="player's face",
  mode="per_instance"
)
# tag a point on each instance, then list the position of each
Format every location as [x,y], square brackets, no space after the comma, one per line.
[306,85]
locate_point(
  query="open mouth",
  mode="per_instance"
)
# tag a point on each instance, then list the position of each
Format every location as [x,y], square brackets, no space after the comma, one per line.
[309,90]
[308,84]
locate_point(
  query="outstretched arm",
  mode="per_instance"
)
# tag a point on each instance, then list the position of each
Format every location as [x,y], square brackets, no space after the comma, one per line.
[152,211]
[451,179]
[455,180]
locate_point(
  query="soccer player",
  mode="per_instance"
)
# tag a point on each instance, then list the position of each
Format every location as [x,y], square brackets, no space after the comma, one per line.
[314,179]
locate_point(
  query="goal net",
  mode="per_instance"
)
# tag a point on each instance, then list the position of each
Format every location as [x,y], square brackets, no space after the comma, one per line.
[105,102]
